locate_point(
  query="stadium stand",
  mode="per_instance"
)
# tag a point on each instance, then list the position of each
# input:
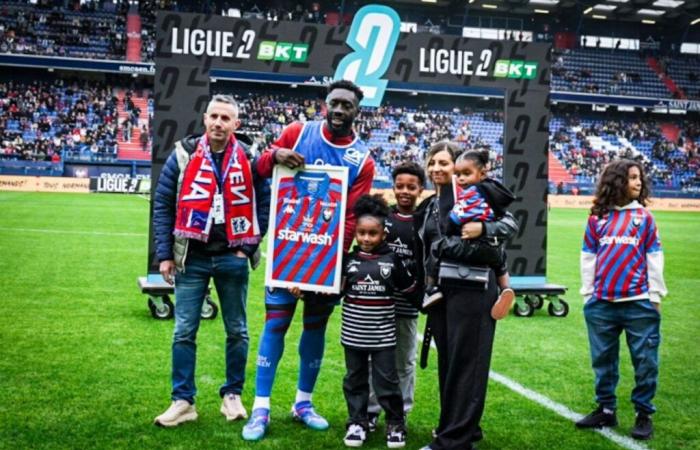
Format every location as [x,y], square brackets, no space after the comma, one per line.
[59,120]
[37,30]
[585,144]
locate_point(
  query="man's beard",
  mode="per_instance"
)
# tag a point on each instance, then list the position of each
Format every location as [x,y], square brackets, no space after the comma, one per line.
[344,130]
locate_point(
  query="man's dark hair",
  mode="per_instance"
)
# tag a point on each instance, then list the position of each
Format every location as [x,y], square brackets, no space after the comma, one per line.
[409,168]
[349,85]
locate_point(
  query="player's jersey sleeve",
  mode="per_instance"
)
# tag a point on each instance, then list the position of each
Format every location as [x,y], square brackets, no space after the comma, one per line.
[362,186]
[655,261]
[588,257]
[287,139]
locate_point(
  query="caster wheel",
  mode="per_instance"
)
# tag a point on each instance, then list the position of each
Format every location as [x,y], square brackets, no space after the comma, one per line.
[523,310]
[161,308]
[537,301]
[562,311]
[209,309]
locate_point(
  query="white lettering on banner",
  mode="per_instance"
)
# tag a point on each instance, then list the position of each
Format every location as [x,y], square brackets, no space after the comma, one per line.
[286,234]
[198,193]
[622,240]
[212,42]
[455,62]
[117,184]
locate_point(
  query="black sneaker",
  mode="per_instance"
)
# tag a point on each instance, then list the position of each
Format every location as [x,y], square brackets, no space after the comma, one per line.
[432,296]
[372,421]
[355,435]
[601,417]
[643,428]
[395,436]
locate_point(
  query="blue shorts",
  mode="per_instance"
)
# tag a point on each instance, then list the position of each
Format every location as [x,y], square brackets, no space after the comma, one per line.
[281,296]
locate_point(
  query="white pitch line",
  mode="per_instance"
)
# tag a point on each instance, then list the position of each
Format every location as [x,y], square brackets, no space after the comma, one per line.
[79,232]
[558,408]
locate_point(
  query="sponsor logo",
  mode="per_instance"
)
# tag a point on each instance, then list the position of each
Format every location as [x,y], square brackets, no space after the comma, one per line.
[289,209]
[620,240]
[286,234]
[263,361]
[283,51]
[308,222]
[150,69]
[352,156]
[515,68]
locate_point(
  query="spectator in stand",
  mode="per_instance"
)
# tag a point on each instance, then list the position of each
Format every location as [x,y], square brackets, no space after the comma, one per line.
[143,138]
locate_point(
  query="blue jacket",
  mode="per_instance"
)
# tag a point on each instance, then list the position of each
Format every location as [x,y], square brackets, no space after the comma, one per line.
[167,192]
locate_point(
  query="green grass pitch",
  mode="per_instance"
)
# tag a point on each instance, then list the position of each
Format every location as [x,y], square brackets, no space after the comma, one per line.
[83,365]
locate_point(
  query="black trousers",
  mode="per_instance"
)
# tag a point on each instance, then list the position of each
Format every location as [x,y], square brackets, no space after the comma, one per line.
[385,381]
[464,331]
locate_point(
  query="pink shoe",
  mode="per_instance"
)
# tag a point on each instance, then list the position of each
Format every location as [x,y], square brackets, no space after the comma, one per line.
[502,306]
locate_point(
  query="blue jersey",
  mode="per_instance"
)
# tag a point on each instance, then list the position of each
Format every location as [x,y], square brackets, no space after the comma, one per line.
[621,240]
[308,228]
[318,151]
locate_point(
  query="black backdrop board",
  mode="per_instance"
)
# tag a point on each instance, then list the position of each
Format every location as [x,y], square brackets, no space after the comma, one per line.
[420,62]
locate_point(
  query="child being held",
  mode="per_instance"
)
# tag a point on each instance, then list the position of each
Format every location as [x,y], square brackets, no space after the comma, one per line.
[371,275]
[478,199]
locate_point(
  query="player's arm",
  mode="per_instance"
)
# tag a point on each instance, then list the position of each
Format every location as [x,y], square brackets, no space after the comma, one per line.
[280,151]
[362,186]
[589,255]
[655,263]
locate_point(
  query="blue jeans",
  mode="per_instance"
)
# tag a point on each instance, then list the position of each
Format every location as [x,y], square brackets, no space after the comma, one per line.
[230,274]
[640,321]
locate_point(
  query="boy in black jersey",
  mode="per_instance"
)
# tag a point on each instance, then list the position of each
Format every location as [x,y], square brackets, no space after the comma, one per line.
[409,179]
[371,275]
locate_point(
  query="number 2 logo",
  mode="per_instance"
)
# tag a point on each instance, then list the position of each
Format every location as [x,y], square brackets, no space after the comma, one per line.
[373,36]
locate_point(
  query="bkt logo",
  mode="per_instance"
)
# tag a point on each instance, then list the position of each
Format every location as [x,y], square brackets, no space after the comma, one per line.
[513,68]
[283,51]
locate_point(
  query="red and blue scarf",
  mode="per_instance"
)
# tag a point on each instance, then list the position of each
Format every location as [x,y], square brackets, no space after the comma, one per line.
[199,185]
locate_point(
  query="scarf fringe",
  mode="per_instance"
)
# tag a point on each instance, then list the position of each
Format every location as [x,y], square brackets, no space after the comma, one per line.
[191,235]
[244,241]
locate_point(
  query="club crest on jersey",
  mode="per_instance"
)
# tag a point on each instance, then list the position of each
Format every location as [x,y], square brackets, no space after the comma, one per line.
[327,214]
[637,221]
[312,187]
[385,272]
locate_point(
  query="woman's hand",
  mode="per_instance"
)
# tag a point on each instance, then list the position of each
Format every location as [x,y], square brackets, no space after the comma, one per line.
[472,230]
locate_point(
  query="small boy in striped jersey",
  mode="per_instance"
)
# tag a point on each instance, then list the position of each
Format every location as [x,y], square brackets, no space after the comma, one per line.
[371,275]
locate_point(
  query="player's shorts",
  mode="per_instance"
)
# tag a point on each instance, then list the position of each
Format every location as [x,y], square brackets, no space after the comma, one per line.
[281,296]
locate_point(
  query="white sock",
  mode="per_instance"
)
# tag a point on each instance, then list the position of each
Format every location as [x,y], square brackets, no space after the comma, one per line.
[302,396]
[261,402]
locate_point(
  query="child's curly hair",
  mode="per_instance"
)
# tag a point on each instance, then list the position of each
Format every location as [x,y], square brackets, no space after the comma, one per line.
[612,187]
[371,205]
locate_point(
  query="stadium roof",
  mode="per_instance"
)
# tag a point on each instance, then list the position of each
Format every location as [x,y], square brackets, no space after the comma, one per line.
[676,13]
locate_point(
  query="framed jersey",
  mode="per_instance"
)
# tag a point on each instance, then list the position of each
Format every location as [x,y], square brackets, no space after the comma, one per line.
[305,238]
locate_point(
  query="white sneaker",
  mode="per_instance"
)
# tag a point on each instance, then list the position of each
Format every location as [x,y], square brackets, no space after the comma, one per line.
[180,411]
[355,435]
[232,408]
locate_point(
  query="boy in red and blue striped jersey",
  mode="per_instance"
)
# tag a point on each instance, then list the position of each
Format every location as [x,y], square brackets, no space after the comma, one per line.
[622,284]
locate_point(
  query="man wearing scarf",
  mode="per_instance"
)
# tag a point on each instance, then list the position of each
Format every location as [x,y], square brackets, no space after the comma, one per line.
[210,211]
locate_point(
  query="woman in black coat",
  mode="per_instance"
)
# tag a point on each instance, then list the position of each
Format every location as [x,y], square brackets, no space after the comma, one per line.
[461,323]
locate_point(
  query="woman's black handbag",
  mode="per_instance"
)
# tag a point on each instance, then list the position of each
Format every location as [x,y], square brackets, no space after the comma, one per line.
[450,272]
